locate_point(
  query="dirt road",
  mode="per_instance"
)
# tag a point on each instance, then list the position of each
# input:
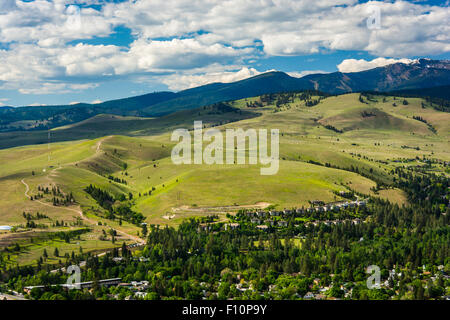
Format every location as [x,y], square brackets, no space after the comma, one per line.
[78,209]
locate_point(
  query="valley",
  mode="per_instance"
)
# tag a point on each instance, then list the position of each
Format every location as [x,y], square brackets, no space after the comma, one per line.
[339,144]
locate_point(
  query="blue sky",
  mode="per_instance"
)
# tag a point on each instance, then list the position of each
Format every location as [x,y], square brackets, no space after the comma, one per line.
[67,51]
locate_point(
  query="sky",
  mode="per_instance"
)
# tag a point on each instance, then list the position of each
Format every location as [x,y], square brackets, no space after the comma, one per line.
[69,51]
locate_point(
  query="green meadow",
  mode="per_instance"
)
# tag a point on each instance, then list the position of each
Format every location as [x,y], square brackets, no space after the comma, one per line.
[318,146]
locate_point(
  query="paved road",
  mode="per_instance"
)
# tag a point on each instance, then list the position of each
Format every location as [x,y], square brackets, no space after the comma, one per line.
[4,296]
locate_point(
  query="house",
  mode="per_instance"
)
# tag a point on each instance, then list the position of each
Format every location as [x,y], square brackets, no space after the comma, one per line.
[260,214]
[142,285]
[282,223]
[255,221]
[309,295]
[231,226]
[124,284]
[262,227]
[361,203]
[140,295]
[117,259]
[204,227]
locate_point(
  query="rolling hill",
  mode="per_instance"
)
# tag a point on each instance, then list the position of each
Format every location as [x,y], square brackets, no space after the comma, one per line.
[340,144]
[423,73]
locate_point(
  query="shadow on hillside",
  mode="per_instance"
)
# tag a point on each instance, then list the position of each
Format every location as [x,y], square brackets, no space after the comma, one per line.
[102,125]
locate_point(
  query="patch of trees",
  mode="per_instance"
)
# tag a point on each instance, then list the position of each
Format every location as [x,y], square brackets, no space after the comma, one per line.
[361,99]
[429,125]
[423,189]
[312,103]
[268,99]
[59,198]
[222,107]
[368,96]
[30,220]
[118,180]
[284,98]
[178,260]
[103,198]
[30,216]
[254,104]
[332,128]
[121,211]
[367,114]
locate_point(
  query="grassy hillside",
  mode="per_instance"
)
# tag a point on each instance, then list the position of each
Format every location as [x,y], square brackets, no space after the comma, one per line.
[105,124]
[341,143]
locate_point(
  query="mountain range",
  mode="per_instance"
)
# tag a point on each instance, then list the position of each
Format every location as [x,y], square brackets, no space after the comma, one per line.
[399,77]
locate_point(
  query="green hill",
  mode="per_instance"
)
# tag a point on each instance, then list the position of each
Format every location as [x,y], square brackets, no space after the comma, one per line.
[327,145]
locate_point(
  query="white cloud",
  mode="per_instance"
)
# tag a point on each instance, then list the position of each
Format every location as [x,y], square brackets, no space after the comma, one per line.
[7,6]
[353,65]
[54,87]
[40,20]
[300,74]
[178,82]
[29,68]
[289,27]
[179,54]
[187,39]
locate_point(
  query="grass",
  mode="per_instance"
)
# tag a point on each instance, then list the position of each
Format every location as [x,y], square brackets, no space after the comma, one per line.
[215,185]
[31,251]
[141,156]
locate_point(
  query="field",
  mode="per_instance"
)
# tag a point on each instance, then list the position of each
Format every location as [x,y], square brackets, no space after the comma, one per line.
[320,147]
